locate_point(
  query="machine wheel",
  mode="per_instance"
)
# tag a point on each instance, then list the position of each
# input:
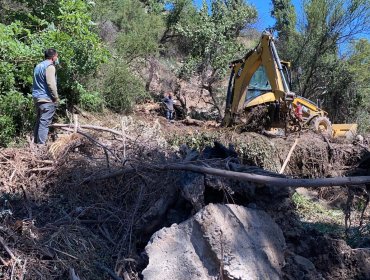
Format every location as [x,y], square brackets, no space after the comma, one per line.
[322,125]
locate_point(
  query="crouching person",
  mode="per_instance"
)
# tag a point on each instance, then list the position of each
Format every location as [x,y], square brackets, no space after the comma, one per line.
[45,94]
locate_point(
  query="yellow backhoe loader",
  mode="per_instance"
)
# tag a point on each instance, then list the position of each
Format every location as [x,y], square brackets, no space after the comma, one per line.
[259,94]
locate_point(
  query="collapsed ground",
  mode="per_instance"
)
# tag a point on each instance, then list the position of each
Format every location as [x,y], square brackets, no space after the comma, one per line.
[91,202]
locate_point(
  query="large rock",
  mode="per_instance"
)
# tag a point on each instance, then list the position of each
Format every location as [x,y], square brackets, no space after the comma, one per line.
[230,241]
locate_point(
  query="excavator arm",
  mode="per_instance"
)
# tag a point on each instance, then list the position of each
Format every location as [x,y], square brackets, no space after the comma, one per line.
[242,71]
[258,79]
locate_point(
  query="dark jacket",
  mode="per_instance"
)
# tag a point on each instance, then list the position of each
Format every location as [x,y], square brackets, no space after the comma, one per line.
[169,102]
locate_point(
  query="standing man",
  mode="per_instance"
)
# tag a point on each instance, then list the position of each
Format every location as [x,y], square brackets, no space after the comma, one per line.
[45,94]
[168,101]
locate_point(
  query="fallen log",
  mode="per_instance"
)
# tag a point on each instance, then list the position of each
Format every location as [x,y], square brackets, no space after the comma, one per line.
[251,177]
[269,180]
[189,121]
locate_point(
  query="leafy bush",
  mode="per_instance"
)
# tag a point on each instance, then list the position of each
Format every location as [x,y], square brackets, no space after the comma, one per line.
[19,109]
[139,23]
[7,130]
[122,89]
[24,35]
[16,115]
[90,100]
[210,34]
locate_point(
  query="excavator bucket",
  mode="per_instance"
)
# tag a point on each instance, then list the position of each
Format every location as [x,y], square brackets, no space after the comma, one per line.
[348,131]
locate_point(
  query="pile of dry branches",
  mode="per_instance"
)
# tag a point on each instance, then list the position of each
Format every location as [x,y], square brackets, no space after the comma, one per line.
[61,219]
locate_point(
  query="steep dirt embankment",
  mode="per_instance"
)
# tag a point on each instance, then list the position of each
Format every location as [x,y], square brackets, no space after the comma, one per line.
[92,202]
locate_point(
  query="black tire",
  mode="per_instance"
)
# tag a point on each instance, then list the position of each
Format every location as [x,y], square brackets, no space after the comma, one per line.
[323,126]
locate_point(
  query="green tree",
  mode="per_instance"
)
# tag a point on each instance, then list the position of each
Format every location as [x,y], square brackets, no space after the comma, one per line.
[210,35]
[138,27]
[26,30]
[286,21]
[313,48]
[122,88]
[139,30]
[358,64]
[285,15]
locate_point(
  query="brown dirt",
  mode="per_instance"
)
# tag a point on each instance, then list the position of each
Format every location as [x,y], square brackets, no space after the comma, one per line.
[57,213]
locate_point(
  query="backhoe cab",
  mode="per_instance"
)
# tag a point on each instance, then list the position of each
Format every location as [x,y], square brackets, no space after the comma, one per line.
[259,93]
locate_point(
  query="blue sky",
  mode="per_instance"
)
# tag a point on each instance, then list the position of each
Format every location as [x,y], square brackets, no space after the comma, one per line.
[265,20]
[264,8]
[264,13]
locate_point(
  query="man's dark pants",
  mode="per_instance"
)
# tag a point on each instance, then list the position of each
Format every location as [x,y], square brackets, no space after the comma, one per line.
[169,114]
[45,113]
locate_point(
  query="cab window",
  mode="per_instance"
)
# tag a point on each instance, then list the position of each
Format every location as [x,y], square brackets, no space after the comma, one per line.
[259,84]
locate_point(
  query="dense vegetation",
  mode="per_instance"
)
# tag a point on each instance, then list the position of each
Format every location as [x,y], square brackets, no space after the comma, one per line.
[105,45]
[330,60]
[26,29]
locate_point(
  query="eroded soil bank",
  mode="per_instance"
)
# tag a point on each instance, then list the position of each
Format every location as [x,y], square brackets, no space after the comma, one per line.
[92,204]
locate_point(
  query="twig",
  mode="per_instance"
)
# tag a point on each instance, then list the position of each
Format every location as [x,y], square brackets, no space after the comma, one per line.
[110,175]
[106,157]
[64,253]
[27,202]
[13,268]
[363,146]
[106,234]
[7,249]
[109,271]
[4,262]
[99,128]
[41,169]
[73,275]
[288,156]
[23,270]
[12,176]
[44,161]
[328,142]
[126,276]
[123,127]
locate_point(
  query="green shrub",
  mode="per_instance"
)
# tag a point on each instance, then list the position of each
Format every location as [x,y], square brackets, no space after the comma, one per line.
[19,109]
[122,89]
[24,34]
[7,130]
[92,101]
[89,100]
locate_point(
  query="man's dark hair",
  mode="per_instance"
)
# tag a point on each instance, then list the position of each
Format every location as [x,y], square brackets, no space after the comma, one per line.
[49,53]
